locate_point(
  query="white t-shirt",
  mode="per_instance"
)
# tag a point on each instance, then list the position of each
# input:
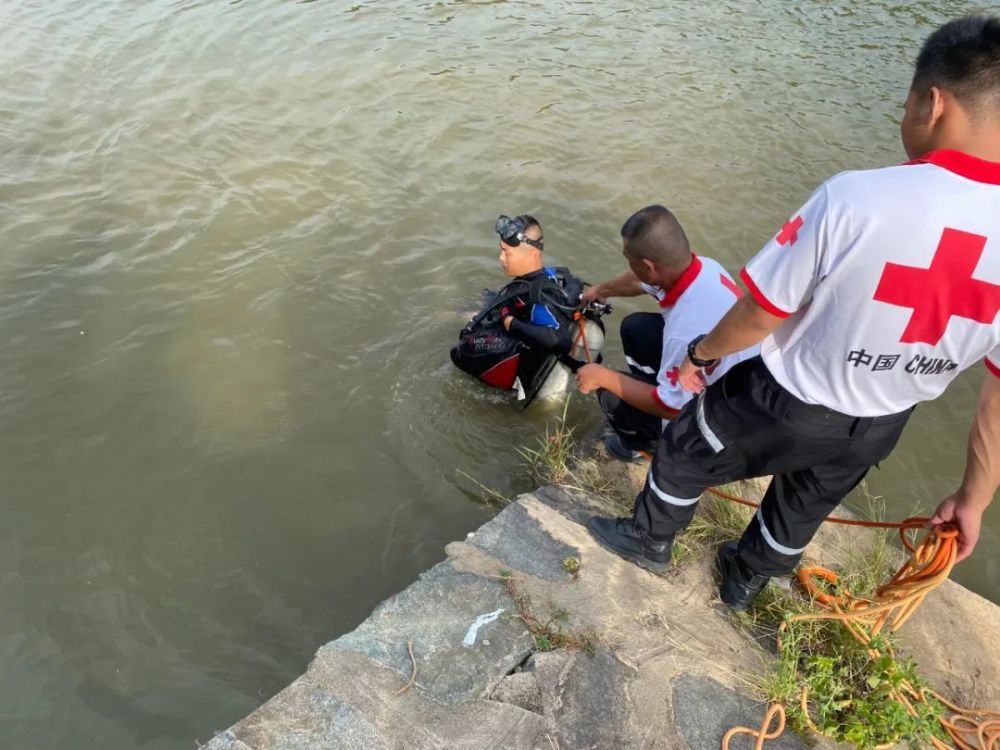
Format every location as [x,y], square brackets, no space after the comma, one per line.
[691,307]
[890,280]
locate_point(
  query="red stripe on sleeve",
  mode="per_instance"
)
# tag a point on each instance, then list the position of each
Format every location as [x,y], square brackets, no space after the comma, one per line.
[759,297]
[731,285]
[659,401]
[992,367]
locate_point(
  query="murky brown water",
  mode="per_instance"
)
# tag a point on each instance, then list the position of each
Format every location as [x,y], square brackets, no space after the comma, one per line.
[235,241]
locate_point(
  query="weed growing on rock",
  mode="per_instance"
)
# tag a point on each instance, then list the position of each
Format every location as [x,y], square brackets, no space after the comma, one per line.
[550,461]
[872,564]
[556,460]
[832,684]
[572,566]
[828,681]
[553,633]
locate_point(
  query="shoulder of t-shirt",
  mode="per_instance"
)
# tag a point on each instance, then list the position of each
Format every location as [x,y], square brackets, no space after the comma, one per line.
[711,267]
[710,279]
[845,184]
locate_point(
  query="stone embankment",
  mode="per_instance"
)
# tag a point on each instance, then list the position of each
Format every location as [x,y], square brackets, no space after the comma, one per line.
[653,661]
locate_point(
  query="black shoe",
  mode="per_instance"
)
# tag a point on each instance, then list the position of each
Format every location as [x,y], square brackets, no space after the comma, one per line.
[739,585]
[621,536]
[617,448]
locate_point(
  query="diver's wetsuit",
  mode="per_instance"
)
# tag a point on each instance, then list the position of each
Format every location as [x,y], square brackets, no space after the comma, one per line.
[547,324]
[542,304]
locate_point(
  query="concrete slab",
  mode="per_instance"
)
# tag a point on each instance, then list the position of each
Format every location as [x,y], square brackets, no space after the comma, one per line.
[535,552]
[586,699]
[346,702]
[439,614]
[704,711]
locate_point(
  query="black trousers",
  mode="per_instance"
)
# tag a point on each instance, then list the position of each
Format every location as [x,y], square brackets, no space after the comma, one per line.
[642,341]
[747,425]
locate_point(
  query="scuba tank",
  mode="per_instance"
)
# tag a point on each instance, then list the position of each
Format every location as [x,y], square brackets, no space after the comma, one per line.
[587,345]
[491,354]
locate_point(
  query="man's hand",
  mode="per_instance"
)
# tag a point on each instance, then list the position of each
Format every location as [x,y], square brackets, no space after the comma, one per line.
[592,294]
[691,378]
[507,321]
[966,515]
[591,377]
[964,509]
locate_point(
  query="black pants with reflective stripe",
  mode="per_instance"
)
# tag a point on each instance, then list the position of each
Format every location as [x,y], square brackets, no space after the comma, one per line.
[642,342]
[746,425]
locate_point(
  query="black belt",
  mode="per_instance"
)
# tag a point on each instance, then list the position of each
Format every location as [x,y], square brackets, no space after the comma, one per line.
[787,404]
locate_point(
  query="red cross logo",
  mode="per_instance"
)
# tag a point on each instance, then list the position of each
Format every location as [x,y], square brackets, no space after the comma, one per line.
[673,375]
[790,231]
[944,290]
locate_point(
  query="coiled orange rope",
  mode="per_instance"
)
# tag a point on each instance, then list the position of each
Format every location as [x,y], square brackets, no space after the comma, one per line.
[929,564]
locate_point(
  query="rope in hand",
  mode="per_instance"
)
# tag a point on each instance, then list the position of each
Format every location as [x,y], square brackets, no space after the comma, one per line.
[581,322]
[929,564]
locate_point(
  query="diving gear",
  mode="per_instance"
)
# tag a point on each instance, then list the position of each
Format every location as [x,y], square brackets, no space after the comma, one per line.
[548,336]
[511,231]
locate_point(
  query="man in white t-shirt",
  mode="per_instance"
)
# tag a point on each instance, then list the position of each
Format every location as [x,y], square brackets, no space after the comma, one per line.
[870,299]
[693,293]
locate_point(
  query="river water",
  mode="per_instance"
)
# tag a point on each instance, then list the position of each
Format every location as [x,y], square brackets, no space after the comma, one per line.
[237,239]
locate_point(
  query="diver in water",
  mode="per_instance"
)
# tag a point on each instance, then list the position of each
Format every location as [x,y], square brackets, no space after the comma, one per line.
[523,332]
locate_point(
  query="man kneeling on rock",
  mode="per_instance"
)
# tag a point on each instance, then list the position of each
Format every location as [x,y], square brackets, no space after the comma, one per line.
[693,293]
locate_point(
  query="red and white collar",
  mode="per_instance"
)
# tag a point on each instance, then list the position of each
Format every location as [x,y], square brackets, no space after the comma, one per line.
[962,164]
[684,281]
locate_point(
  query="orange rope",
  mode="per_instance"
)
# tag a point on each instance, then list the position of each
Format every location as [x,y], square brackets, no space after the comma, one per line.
[582,323]
[909,523]
[762,734]
[929,564]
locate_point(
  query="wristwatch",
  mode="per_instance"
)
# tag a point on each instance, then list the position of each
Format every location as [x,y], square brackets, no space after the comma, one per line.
[695,360]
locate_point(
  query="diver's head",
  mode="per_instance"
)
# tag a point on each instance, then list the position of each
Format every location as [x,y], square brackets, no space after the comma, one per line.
[520,244]
[954,100]
[655,246]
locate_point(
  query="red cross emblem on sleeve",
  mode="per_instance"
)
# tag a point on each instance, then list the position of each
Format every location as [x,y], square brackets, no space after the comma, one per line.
[943,291]
[673,375]
[790,231]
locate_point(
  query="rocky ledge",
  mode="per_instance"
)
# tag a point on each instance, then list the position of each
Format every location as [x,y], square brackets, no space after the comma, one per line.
[635,660]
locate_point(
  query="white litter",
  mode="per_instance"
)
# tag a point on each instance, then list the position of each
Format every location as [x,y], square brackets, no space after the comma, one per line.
[470,635]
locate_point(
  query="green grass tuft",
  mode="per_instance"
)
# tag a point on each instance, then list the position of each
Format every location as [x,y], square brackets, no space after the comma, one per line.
[550,460]
[849,688]
[572,566]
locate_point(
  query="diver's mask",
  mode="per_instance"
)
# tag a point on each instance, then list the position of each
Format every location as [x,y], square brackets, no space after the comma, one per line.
[511,231]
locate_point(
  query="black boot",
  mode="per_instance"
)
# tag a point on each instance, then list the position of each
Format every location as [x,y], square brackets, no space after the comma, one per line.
[624,538]
[617,448]
[739,585]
